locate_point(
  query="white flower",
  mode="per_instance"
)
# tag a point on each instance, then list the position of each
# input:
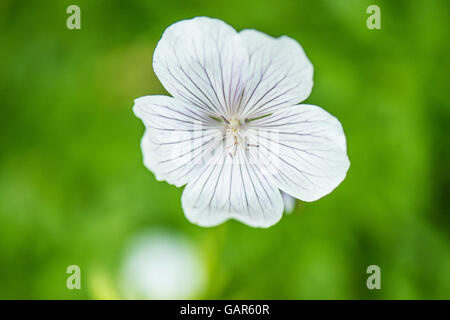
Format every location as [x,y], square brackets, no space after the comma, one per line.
[233,131]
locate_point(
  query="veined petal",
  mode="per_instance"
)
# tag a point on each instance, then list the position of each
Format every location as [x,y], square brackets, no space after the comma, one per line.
[232,188]
[280,74]
[177,137]
[306,148]
[149,155]
[203,62]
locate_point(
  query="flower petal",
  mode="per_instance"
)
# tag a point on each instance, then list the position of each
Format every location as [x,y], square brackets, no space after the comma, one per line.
[289,202]
[149,155]
[306,148]
[280,74]
[203,62]
[177,137]
[232,188]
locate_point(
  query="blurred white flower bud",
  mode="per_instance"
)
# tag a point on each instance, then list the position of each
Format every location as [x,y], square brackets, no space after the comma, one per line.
[162,265]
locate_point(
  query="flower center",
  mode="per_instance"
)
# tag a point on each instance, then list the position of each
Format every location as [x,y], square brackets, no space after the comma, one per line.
[234,125]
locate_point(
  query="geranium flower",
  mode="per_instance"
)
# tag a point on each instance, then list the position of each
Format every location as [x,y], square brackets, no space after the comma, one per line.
[233,131]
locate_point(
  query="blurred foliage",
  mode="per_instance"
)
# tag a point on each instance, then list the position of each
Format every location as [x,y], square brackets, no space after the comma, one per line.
[73,188]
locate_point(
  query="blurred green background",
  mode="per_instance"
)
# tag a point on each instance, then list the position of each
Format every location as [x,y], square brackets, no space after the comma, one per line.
[73,189]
